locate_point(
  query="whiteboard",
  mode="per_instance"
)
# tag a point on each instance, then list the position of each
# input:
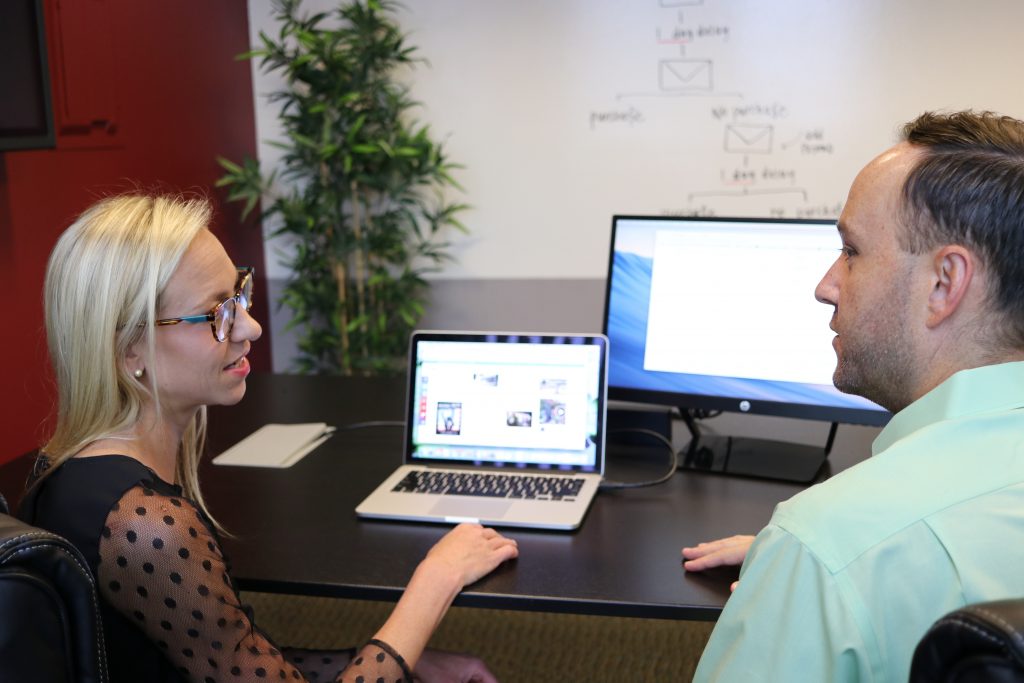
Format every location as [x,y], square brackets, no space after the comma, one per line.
[566,112]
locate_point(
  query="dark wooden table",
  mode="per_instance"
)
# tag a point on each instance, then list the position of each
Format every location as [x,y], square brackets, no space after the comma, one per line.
[295,531]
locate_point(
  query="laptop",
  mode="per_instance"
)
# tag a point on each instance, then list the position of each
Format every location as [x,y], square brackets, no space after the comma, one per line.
[501,429]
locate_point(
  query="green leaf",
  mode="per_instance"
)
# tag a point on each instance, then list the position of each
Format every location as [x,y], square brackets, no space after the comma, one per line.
[229,165]
[250,204]
[356,127]
[307,38]
[444,175]
[303,140]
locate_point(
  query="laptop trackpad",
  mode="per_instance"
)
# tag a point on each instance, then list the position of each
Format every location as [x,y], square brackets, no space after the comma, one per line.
[475,508]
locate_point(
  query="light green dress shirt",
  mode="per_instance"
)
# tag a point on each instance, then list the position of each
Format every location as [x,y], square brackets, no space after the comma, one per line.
[849,574]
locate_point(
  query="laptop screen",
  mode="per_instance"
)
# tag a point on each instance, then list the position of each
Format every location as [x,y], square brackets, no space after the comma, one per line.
[508,400]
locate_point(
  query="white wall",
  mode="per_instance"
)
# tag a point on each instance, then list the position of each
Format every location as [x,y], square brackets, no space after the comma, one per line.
[565,112]
[527,92]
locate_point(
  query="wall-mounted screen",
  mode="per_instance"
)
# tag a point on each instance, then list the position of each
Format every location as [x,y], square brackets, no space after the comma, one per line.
[26,120]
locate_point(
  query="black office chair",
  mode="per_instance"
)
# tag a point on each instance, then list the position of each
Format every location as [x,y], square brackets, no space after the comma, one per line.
[50,626]
[982,643]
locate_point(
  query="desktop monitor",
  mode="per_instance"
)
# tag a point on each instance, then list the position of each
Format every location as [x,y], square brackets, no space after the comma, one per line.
[719,314]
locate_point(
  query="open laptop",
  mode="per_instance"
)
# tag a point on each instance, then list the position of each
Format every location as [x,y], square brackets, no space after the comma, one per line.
[501,429]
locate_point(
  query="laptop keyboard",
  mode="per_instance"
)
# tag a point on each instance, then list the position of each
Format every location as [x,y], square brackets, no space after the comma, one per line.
[537,487]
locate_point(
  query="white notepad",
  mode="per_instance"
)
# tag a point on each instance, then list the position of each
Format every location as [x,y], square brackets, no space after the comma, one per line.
[276,445]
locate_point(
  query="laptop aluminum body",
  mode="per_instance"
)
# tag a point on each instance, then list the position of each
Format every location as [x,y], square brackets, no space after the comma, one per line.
[514,404]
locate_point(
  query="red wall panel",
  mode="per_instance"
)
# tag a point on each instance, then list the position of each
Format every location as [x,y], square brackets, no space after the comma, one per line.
[173,98]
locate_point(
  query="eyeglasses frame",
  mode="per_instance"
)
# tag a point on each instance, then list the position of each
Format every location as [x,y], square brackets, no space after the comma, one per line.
[245,272]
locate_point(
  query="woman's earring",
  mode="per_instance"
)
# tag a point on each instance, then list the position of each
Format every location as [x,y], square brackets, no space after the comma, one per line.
[139,373]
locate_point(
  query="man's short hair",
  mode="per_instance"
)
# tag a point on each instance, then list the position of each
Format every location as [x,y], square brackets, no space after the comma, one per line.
[968,189]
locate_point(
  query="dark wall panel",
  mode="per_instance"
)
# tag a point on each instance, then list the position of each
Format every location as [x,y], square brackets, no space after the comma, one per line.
[146,95]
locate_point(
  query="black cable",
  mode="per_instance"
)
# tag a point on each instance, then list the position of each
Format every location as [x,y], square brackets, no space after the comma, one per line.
[612,485]
[372,423]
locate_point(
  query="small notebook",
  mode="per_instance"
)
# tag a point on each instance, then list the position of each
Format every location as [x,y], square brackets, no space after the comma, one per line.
[276,445]
[503,429]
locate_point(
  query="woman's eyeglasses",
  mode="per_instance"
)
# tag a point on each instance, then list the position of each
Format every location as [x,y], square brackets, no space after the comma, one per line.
[222,317]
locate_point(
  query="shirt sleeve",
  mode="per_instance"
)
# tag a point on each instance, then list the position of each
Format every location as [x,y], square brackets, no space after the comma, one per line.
[162,568]
[786,621]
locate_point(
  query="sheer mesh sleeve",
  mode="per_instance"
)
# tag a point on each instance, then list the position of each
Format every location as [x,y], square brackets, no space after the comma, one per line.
[162,568]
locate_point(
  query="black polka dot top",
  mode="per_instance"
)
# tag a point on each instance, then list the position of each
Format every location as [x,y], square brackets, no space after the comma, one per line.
[170,609]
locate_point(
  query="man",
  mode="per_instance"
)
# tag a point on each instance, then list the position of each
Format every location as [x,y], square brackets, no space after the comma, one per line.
[928,298]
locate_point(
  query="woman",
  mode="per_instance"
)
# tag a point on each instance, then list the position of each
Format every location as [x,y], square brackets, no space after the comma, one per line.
[148,323]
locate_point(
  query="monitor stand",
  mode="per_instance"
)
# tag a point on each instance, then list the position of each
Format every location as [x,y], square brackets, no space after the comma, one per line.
[751,457]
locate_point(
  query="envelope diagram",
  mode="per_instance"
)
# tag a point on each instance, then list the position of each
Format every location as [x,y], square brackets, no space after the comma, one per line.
[748,138]
[681,75]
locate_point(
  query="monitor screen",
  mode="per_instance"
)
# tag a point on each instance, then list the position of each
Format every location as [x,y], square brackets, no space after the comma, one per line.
[506,399]
[720,314]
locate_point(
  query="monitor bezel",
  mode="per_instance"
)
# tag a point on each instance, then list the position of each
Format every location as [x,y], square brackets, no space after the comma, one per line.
[737,404]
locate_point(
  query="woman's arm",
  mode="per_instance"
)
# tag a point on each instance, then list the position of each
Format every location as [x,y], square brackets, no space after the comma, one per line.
[467,553]
[162,568]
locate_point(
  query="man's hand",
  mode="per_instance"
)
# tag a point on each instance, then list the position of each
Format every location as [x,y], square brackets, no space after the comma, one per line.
[436,666]
[724,552]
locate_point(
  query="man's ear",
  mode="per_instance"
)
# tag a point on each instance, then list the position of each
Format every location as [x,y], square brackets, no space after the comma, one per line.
[953,272]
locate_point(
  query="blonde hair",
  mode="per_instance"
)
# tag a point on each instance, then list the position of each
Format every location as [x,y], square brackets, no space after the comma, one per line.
[104,283]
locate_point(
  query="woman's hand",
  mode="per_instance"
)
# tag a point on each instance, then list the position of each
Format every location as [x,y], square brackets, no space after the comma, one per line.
[472,551]
[436,666]
[462,556]
[724,552]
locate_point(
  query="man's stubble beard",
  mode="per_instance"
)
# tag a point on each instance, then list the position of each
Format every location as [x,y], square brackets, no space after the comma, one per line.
[878,361]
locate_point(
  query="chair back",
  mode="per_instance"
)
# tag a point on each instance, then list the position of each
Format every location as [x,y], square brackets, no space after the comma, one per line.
[981,643]
[50,627]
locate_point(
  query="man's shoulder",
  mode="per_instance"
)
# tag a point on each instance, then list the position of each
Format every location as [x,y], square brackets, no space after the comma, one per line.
[842,517]
[914,479]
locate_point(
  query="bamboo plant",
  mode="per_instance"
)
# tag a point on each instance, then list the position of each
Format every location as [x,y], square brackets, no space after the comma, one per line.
[361,189]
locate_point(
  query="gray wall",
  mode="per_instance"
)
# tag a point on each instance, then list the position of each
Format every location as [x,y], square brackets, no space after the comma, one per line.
[535,305]
[542,305]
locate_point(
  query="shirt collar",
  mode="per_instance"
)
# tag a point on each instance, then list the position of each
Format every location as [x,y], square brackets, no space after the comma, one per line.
[977,390]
